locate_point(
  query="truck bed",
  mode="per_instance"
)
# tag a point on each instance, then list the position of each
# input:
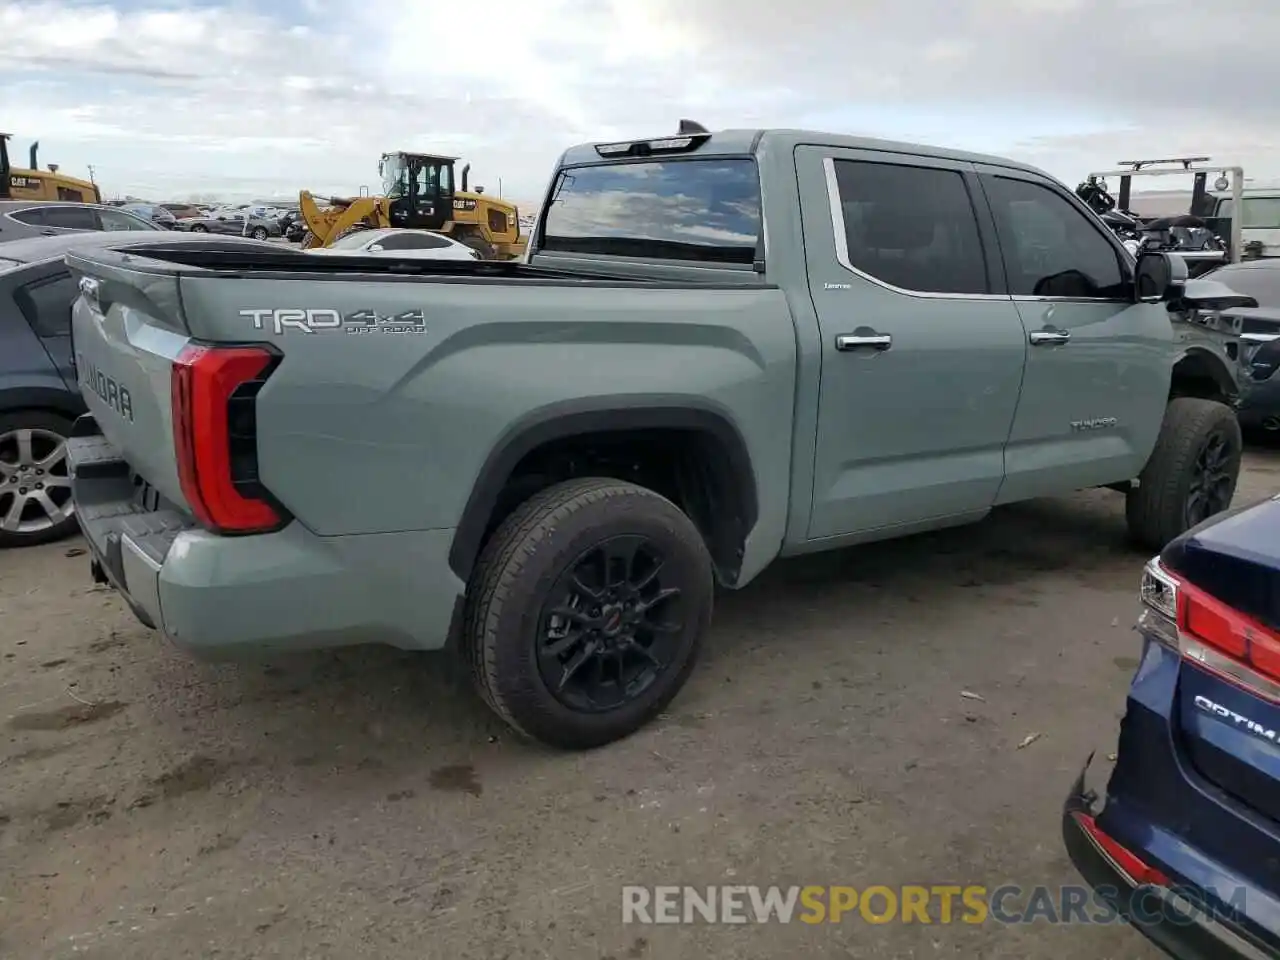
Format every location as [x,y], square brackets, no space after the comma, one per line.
[300,265]
[391,387]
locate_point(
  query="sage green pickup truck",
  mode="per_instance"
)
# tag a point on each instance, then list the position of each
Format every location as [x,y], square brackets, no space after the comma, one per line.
[721,349]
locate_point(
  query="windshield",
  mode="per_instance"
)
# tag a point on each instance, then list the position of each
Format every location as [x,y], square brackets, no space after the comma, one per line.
[351,241]
[704,210]
[395,177]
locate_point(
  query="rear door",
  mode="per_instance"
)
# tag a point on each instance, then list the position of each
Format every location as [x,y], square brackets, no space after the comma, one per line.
[1098,364]
[922,352]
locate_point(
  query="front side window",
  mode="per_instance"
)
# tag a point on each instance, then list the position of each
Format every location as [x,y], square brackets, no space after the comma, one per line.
[693,210]
[911,227]
[1050,248]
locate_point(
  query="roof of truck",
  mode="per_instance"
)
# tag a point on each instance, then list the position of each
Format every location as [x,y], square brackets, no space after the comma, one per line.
[746,141]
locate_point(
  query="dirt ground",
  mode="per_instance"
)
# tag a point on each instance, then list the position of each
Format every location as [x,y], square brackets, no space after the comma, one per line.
[364,803]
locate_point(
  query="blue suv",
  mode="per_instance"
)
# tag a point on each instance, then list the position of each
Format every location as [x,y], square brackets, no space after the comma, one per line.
[1186,843]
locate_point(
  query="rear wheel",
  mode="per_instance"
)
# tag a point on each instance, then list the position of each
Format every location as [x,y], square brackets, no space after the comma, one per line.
[586,612]
[35,481]
[1191,475]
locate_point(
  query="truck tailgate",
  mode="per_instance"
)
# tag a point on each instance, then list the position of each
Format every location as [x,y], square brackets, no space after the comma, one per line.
[127,330]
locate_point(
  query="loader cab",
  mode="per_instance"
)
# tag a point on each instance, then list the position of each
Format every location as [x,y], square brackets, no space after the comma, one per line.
[419,189]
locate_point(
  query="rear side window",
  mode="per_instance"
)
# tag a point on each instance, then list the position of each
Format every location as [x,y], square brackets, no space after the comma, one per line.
[698,210]
[33,217]
[47,304]
[413,241]
[1051,248]
[911,227]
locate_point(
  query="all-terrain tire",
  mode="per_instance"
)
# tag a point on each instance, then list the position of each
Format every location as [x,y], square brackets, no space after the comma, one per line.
[511,584]
[1157,510]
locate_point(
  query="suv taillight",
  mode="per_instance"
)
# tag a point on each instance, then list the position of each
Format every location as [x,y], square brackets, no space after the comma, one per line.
[1210,633]
[214,392]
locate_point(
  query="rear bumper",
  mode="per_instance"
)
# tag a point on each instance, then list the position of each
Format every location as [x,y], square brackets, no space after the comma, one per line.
[1166,917]
[225,597]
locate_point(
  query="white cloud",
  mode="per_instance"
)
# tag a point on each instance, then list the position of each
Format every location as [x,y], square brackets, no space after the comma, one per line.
[167,99]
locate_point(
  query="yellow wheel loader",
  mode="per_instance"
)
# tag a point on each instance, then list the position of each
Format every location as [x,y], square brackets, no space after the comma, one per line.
[418,191]
[36,184]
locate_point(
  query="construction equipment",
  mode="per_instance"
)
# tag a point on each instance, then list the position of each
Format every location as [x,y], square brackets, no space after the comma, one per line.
[36,184]
[418,191]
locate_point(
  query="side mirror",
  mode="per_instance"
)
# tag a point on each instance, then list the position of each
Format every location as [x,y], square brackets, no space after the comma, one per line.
[1159,276]
[375,248]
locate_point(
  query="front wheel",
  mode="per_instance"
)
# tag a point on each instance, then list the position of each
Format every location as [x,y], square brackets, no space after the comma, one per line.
[1191,475]
[199,228]
[586,612]
[259,233]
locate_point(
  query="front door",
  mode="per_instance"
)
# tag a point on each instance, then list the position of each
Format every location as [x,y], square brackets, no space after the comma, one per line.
[922,355]
[431,193]
[1098,364]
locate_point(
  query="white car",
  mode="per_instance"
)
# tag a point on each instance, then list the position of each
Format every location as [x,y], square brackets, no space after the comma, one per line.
[399,242]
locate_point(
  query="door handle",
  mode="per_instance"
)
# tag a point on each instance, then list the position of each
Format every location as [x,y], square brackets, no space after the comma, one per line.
[1042,338]
[853,341]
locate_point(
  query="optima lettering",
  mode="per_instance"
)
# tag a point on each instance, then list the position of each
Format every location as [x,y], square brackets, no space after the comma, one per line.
[111,393]
[1226,713]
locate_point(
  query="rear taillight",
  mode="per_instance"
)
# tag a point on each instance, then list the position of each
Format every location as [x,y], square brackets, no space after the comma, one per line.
[1138,871]
[1210,633]
[214,392]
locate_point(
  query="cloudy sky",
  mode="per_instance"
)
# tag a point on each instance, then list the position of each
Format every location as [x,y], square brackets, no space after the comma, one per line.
[173,98]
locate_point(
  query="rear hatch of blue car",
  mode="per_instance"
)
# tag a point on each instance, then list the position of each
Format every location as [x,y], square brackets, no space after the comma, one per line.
[1225,577]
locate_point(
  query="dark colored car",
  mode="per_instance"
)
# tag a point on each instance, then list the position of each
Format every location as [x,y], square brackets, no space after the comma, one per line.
[1259,331]
[259,228]
[154,212]
[1186,844]
[20,219]
[38,394]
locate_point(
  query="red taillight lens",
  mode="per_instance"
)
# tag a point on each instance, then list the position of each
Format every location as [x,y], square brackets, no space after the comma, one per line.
[1243,639]
[1138,871]
[205,379]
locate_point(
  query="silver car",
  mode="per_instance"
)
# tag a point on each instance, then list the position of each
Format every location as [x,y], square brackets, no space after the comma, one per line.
[20,219]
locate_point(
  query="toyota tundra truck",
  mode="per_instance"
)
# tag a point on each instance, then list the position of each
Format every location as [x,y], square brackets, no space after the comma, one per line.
[721,349]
